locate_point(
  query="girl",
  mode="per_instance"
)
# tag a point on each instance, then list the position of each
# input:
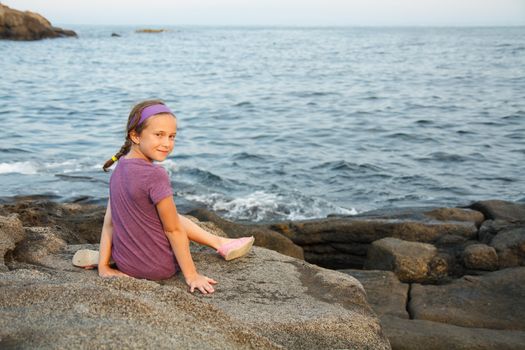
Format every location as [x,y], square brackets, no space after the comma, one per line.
[142,230]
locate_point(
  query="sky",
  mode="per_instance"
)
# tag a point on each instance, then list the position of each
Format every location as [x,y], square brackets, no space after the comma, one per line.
[280,12]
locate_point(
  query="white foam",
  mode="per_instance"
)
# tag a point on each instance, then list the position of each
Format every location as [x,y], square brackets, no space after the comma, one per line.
[26,168]
[260,205]
[34,167]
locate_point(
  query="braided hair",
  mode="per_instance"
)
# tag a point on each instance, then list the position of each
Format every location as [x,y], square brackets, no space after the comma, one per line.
[133,120]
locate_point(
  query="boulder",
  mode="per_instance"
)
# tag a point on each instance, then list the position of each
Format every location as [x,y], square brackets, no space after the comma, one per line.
[410,261]
[500,210]
[39,247]
[494,300]
[18,25]
[480,257]
[11,233]
[75,223]
[65,310]
[263,300]
[420,334]
[263,236]
[385,293]
[342,242]
[510,246]
[368,230]
[490,228]
[456,214]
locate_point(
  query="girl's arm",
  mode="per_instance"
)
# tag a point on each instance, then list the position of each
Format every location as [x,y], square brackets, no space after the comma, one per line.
[181,246]
[105,248]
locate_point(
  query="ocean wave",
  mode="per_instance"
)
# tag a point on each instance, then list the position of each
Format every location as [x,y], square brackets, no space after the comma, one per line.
[262,206]
[13,150]
[26,168]
[248,156]
[343,165]
[32,167]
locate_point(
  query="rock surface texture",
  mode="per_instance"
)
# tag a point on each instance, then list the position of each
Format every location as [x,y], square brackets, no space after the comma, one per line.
[18,25]
[264,300]
[472,307]
[445,278]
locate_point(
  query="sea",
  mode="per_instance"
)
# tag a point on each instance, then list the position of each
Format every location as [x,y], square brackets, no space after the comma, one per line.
[274,123]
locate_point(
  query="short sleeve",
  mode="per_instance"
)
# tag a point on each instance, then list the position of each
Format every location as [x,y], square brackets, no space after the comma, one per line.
[159,185]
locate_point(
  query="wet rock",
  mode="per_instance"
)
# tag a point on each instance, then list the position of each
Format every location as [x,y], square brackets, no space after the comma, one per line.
[18,25]
[450,240]
[410,261]
[263,236]
[456,214]
[115,35]
[480,257]
[420,334]
[494,300]
[11,233]
[490,228]
[385,293]
[510,246]
[501,210]
[424,214]
[347,238]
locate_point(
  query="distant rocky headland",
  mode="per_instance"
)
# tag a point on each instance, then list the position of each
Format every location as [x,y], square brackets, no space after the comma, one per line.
[411,278]
[18,25]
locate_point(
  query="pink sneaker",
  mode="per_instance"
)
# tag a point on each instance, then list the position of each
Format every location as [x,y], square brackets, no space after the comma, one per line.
[236,248]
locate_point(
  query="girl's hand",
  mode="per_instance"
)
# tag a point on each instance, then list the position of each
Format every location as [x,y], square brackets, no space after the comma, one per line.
[107,272]
[202,283]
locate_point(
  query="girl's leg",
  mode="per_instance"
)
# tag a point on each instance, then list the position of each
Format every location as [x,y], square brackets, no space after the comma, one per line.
[198,235]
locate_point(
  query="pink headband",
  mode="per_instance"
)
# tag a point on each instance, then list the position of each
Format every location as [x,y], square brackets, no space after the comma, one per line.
[153,110]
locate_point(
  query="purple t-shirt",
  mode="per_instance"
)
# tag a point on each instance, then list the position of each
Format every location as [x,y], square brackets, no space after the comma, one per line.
[140,247]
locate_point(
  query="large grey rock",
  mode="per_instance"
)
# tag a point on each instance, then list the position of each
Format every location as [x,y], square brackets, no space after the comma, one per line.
[263,300]
[79,310]
[501,210]
[18,25]
[292,302]
[410,261]
[263,236]
[11,232]
[495,300]
[385,293]
[480,257]
[420,334]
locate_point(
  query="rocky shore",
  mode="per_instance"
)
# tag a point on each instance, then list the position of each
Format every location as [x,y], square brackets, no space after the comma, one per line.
[438,278]
[27,25]
[433,278]
[265,300]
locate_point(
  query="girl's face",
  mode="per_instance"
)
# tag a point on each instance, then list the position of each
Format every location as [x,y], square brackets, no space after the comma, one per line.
[156,140]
